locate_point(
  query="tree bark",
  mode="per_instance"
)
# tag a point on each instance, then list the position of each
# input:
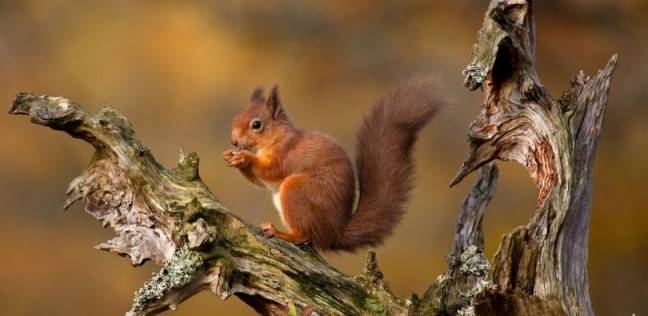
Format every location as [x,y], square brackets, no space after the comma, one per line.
[171,218]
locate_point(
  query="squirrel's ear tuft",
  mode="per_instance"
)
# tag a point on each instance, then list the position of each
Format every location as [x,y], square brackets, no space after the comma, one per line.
[258,96]
[273,103]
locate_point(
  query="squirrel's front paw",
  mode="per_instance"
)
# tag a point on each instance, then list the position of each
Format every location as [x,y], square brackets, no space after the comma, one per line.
[235,158]
[268,229]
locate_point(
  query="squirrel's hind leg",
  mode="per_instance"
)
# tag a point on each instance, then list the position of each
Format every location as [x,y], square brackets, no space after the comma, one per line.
[292,202]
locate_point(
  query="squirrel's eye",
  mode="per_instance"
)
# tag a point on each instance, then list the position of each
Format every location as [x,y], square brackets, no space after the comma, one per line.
[256,125]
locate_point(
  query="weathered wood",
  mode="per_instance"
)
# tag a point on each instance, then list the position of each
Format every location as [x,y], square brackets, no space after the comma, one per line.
[554,139]
[171,218]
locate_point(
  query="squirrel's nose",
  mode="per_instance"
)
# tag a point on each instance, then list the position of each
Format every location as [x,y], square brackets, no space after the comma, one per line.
[234,142]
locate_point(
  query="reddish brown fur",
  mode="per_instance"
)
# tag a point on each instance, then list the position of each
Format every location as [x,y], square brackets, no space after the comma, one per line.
[314,177]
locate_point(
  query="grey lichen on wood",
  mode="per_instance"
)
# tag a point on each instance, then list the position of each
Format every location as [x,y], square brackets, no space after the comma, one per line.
[171,218]
[175,273]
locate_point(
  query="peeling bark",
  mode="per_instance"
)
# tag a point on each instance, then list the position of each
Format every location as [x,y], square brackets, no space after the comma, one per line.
[171,218]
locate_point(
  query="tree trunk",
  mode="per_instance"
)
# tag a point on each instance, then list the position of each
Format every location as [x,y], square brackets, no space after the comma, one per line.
[171,218]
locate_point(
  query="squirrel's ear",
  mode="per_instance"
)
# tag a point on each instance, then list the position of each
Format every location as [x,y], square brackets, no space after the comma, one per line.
[273,103]
[258,96]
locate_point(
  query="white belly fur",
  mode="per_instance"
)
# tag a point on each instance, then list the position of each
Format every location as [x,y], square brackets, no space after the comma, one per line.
[276,200]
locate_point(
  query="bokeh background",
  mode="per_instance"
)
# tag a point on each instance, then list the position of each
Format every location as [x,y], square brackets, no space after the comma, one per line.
[179,71]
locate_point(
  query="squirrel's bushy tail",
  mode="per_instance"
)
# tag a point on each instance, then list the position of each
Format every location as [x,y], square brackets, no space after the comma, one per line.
[384,160]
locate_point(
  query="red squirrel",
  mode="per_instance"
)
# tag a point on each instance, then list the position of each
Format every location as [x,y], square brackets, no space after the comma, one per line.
[312,178]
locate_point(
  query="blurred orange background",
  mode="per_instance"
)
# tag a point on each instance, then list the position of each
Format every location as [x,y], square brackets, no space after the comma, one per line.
[179,71]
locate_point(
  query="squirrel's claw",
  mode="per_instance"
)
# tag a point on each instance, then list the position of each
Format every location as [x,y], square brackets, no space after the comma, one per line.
[235,158]
[268,229]
[308,311]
